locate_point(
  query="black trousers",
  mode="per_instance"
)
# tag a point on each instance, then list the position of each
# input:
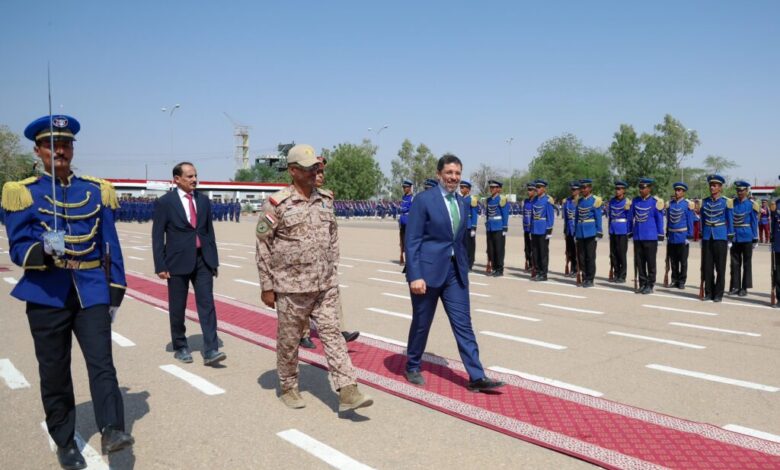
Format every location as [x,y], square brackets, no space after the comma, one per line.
[496,242]
[741,265]
[471,247]
[528,249]
[586,250]
[713,254]
[571,254]
[202,279]
[678,262]
[541,253]
[777,275]
[644,255]
[618,252]
[52,330]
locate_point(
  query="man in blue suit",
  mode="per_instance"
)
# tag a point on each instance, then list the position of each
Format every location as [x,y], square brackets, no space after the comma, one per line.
[437,268]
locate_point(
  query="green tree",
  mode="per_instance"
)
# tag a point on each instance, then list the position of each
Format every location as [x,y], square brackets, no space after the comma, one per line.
[14,164]
[717,164]
[415,164]
[352,172]
[262,173]
[563,159]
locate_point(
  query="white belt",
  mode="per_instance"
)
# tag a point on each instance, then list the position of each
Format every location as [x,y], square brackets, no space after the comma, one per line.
[619,220]
[496,217]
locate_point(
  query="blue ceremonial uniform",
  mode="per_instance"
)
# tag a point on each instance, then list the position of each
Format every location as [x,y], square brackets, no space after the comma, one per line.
[588,220]
[543,220]
[717,224]
[679,221]
[717,221]
[88,222]
[528,217]
[774,238]
[647,219]
[619,216]
[569,215]
[496,225]
[497,216]
[618,213]
[745,213]
[406,205]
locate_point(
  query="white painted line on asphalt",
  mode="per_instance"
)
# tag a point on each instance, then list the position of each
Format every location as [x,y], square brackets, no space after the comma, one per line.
[382,338]
[387,280]
[474,294]
[10,280]
[572,309]
[713,378]
[93,459]
[243,281]
[370,261]
[161,310]
[12,376]
[129,297]
[237,257]
[397,296]
[322,451]
[346,265]
[390,272]
[508,315]
[388,312]
[121,340]
[545,380]
[135,258]
[196,381]
[752,432]
[656,340]
[475,283]
[557,293]
[681,310]
[139,248]
[225,296]
[520,339]
[229,265]
[719,330]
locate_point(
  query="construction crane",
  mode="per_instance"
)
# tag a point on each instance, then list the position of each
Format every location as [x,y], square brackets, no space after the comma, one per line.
[241,135]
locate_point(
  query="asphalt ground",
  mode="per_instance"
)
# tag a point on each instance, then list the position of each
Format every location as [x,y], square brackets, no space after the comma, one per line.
[600,340]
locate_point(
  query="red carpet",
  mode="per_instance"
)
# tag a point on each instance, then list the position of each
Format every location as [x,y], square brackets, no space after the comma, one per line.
[593,429]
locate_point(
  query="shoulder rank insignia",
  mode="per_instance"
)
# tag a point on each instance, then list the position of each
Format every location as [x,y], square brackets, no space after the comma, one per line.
[325,192]
[502,201]
[107,191]
[729,203]
[659,203]
[279,196]
[628,204]
[598,201]
[474,202]
[16,194]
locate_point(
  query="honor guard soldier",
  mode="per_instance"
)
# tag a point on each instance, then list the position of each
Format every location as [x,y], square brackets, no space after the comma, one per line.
[717,233]
[647,220]
[679,233]
[587,229]
[73,283]
[472,211]
[406,205]
[496,225]
[746,213]
[528,217]
[569,222]
[774,239]
[619,218]
[541,229]
[430,183]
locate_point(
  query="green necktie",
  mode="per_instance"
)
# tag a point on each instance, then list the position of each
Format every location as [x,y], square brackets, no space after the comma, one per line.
[454,212]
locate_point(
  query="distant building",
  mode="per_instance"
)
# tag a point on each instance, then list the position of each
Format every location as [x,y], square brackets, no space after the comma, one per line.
[218,190]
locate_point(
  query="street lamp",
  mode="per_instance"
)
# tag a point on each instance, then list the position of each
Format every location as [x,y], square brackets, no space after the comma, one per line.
[509,141]
[378,139]
[170,123]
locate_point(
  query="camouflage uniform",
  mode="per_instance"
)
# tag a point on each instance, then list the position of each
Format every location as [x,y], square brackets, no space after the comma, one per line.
[297,258]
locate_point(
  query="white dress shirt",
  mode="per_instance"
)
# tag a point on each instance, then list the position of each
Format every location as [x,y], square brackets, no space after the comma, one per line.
[185,201]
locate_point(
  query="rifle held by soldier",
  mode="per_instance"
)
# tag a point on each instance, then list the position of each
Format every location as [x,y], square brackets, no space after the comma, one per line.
[666,272]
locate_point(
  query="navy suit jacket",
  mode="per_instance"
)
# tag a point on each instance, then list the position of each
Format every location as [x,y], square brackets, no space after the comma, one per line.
[173,237]
[430,243]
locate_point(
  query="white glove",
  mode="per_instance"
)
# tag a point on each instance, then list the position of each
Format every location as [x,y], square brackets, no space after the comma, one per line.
[548,236]
[47,248]
[473,233]
[755,245]
[729,245]
[687,242]
[112,311]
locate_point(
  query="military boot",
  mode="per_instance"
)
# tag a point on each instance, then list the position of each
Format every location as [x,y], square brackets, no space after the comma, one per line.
[293,399]
[350,398]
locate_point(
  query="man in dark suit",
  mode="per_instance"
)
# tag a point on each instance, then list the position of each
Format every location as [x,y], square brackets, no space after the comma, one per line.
[437,268]
[185,251]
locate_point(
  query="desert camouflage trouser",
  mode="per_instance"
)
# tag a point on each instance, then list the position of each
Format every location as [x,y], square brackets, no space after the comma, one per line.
[294,311]
[308,326]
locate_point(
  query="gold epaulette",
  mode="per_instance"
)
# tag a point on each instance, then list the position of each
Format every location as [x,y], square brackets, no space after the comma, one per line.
[628,204]
[772,206]
[729,203]
[16,194]
[276,198]
[756,207]
[598,202]
[659,203]
[691,205]
[551,200]
[474,202]
[107,191]
[502,201]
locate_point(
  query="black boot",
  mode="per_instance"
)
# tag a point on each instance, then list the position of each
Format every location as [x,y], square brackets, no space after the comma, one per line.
[70,458]
[115,439]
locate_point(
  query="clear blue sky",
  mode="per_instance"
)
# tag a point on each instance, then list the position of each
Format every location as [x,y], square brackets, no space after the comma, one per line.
[459,76]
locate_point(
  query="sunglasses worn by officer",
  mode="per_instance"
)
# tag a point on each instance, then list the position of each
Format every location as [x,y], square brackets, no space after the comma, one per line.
[308,169]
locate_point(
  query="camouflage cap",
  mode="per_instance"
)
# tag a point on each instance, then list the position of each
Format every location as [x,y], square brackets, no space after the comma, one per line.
[302,155]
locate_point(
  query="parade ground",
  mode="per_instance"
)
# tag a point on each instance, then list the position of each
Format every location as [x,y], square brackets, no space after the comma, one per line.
[597,376]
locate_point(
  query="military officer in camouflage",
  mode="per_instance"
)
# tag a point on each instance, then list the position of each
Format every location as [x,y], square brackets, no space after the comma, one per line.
[71,288]
[297,258]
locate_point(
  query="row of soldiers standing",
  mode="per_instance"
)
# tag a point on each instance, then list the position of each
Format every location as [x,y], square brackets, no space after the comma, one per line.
[729,227]
[141,209]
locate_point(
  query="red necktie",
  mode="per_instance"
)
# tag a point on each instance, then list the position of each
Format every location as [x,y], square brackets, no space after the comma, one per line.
[194,219]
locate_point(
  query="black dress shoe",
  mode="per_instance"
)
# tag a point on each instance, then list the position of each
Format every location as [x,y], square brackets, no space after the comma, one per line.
[742,292]
[622,280]
[212,357]
[70,458]
[484,384]
[647,290]
[717,299]
[541,278]
[115,439]
[307,343]
[183,355]
[350,336]
[498,273]
[414,377]
[734,291]
[587,284]
[681,285]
